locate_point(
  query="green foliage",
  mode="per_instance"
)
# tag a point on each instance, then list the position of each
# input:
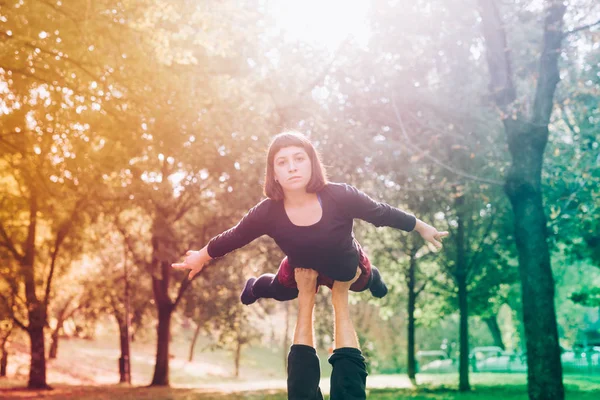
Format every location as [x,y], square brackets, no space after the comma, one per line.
[589,298]
[155,115]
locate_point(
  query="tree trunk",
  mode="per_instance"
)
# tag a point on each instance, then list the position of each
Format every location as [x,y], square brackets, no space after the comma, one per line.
[4,351]
[523,187]
[125,360]
[60,321]
[161,369]
[464,335]
[492,324]
[36,310]
[412,297]
[125,375]
[54,339]
[162,244]
[37,372]
[53,345]
[3,362]
[514,302]
[461,282]
[194,339]
[527,137]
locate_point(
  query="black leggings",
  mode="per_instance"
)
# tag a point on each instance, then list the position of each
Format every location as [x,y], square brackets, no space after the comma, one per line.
[348,378]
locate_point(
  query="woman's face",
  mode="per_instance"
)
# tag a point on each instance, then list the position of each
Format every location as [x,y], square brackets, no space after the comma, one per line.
[292,168]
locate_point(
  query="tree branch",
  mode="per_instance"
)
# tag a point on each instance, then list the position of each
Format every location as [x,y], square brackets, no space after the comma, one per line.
[61,235]
[549,75]
[501,84]
[138,260]
[9,245]
[19,323]
[185,283]
[479,250]
[447,167]
[12,314]
[581,28]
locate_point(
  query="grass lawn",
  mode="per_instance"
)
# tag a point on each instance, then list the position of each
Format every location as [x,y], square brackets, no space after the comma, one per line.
[87,370]
[433,387]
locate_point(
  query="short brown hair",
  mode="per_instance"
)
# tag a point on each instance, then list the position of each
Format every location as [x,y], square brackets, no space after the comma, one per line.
[318,178]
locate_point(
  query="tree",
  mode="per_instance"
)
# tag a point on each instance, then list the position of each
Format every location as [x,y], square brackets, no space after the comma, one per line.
[526,128]
[6,329]
[57,95]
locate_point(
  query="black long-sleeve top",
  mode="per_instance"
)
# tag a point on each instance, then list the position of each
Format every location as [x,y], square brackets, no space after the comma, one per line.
[326,246]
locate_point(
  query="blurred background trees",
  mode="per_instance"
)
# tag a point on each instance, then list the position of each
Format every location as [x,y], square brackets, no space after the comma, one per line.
[132,131]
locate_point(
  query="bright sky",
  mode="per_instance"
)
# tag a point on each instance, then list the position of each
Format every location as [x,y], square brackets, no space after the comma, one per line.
[322,22]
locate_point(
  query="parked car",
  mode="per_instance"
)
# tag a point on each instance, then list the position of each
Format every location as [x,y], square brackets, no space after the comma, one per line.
[481,353]
[434,361]
[507,361]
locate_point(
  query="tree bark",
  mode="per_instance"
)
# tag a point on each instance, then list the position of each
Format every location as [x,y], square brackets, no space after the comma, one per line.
[463,307]
[160,268]
[3,362]
[4,351]
[464,335]
[35,308]
[523,188]
[161,369]
[56,333]
[492,324]
[54,343]
[125,359]
[4,357]
[412,297]
[527,137]
[37,372]
[194,339]
[60,321]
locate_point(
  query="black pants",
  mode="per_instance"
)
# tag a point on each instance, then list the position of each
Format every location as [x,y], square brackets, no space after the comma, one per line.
[348,378]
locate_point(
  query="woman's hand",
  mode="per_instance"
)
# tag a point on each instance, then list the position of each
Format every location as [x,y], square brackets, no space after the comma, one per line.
[430,234]
[194,261]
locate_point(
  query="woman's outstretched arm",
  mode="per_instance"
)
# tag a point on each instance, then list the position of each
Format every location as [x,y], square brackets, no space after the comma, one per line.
[359,205]
[253,225]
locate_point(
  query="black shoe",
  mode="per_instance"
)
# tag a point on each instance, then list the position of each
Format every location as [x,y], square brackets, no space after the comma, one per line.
[247,297]
[377,287]
[379,290]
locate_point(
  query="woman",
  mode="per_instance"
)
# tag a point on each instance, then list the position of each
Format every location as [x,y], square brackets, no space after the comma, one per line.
[311,220]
